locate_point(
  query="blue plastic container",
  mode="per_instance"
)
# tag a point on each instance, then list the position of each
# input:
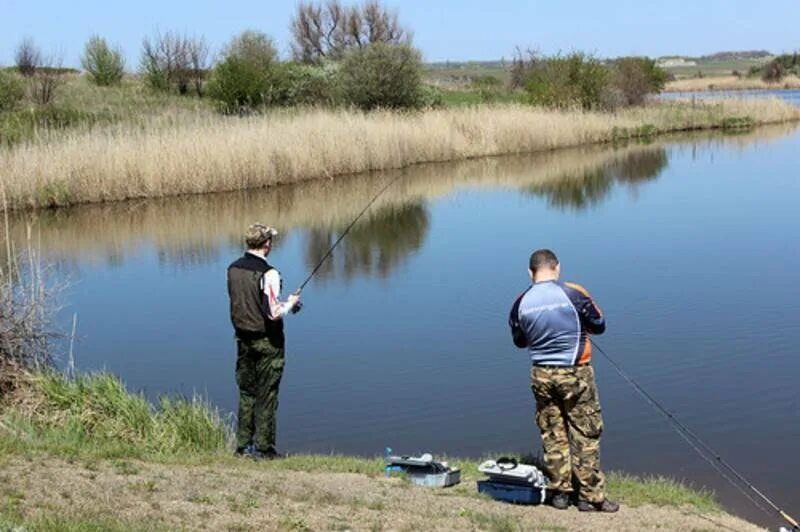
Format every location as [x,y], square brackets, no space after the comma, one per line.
[513,493]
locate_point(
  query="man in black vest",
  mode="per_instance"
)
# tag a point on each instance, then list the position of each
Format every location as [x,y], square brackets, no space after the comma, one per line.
[257,315]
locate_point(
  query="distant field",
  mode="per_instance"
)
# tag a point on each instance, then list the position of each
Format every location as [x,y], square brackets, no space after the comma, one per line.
[456,75]
[716,68]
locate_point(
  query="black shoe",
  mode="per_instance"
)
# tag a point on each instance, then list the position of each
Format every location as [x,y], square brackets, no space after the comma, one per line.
[269,454]
[560,500]
[245,451]
[604,506]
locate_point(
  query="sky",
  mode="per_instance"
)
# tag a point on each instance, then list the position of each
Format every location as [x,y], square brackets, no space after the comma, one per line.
[455,30]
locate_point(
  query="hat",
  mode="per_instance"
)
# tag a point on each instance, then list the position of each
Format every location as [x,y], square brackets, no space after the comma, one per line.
[258,234]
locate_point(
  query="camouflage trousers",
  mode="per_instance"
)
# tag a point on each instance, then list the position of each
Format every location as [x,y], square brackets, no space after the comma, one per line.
[259,368]
[569,417]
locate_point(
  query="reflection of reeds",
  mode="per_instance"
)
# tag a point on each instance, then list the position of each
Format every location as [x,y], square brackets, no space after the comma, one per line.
[212,153]
[730,83]
[190,228]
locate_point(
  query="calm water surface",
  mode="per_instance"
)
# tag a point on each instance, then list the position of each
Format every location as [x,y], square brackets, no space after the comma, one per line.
[689,245]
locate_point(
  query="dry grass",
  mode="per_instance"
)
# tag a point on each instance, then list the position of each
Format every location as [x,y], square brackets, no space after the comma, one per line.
[192,227]
[247,496]
[209,153]
[729,83]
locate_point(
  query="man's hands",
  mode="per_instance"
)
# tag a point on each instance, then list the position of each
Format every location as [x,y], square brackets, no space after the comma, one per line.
[294,302]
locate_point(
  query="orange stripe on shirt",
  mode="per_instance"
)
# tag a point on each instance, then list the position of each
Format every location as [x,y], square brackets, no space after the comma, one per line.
[587,352]
[585,292]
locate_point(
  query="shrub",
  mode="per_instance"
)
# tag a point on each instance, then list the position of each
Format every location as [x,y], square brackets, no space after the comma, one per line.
[383,76]
[104,65]
[310,85]
[636,77]
[249,74]
[171,61]
[773,72]
[27,57]
[12,90]
[560,81]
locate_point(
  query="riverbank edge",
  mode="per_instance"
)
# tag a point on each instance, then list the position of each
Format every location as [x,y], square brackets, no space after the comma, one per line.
[731,83]
[59,429]
[268,152]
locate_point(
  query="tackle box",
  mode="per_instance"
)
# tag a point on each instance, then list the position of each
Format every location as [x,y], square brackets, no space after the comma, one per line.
[513,482]
[513,493]
[424,470]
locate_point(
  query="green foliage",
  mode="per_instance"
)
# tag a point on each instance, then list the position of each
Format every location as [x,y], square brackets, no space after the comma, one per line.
[309,85]
[104,65]
[96,412]
[22,125]
[564,81]
[658,491]
[383,76]
[773,72]
[738,123]
[636,77]
[249,75]
[12,91]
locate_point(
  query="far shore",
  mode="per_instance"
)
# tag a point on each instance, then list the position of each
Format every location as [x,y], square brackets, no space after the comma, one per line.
[730,83]
[211,153]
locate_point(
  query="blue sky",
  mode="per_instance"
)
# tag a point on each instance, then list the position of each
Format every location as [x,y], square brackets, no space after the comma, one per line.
[446,29]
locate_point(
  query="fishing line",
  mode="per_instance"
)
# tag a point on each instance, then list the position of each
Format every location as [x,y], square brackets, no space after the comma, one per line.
[347,230]
[702,448]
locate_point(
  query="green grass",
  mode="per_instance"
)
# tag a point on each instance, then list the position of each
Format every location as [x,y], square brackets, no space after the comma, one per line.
[94,418]
[94,415]
[658,491]
[56,522]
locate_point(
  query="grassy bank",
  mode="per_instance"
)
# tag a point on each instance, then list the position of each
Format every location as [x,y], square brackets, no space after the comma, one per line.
[85,454]
[214,153]
[730,83]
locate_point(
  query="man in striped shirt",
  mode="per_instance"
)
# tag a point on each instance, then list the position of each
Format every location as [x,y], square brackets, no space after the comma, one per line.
[552,320]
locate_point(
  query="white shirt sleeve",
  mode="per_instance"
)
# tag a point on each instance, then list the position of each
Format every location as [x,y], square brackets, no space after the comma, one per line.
[272,289]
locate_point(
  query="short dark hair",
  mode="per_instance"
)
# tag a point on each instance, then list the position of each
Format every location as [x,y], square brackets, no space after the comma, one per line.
[542,258]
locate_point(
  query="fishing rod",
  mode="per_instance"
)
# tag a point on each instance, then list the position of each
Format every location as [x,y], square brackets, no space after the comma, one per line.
[344,233]
[710,455]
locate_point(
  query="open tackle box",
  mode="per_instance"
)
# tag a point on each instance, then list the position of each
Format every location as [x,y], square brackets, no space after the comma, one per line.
[423,470]
[512,482]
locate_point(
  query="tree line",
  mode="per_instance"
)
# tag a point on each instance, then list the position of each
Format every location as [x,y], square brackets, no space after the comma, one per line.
[357,55]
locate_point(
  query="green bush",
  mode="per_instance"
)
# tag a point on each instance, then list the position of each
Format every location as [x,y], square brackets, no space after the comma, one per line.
[12,91]
[308,85]
[382,76]
[104,65]
[773,72]
[249,75]
[636,77]
[573,80]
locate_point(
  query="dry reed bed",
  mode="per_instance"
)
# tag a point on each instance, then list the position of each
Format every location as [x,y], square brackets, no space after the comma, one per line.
[730,83]
[198,223]
[213,154]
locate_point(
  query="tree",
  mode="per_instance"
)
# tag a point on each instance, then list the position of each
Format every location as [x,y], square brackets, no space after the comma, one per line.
[104,65]
[636,77]
[383,76]
[171,61]
[27,57]
[328,31]
[245,77]
[48,78]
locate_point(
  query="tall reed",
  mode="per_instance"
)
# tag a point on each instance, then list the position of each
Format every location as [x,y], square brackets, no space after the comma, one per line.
[214,153]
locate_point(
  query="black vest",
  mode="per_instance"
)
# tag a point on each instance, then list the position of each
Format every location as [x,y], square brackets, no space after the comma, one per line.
[249,304]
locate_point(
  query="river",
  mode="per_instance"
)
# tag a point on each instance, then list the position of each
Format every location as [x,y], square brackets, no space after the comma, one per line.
[689,244]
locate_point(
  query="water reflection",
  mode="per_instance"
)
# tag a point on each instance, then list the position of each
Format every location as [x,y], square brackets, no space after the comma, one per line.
[195,230]
[590,186]
[375,246]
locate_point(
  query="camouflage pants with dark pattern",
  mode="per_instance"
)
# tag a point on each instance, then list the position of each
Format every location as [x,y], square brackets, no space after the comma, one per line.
[259,368]
[569,416]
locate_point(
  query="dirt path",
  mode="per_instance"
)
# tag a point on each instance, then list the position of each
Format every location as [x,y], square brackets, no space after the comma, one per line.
[248,496]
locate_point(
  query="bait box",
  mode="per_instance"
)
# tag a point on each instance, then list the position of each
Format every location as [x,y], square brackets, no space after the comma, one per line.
[515,493]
